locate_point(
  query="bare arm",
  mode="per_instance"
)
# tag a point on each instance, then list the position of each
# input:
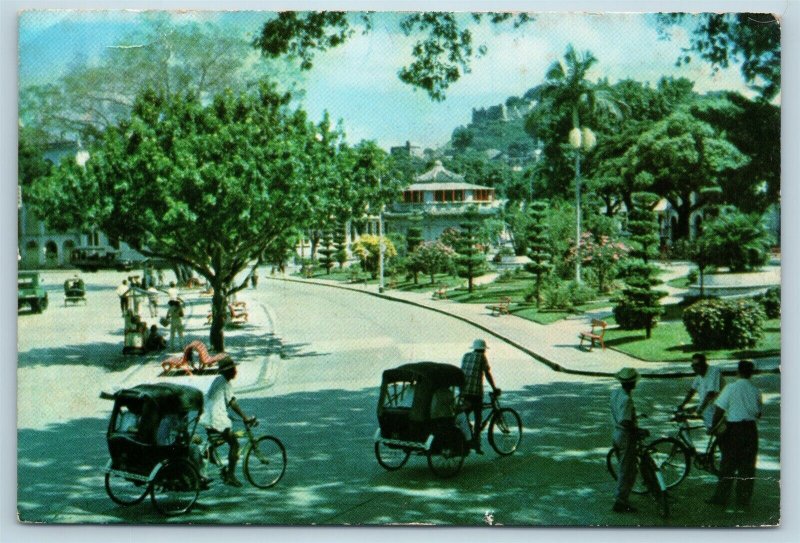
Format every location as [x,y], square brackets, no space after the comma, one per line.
[238,410]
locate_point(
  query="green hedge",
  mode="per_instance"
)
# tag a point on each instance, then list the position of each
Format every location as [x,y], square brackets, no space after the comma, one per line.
[771,302]
[725,324]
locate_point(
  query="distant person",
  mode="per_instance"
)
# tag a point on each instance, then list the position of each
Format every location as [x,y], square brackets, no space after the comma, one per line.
[741,405]
[152,301]
[623,416]
[172,291]
[475,366]
[707,385]
[155,341]
[254,279]
[124,300]
[175,318]
[216,419]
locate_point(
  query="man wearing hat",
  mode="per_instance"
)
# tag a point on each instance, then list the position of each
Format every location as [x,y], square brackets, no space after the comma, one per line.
[216,419]
[707,385]
[623,414]
[475,365]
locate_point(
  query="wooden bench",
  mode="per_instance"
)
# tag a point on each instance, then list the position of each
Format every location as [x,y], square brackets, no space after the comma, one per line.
[501,307]
[440,293]
[595,334]
[238,313]
[186,362]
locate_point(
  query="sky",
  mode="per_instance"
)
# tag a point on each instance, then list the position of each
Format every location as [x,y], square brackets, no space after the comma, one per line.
[358,82]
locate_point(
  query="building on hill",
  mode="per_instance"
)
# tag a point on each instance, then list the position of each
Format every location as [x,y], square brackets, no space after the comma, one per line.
[440,198]
[489,114]
[408,150]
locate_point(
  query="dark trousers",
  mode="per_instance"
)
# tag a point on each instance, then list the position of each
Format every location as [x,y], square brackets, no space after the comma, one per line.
[739,448]
[625,442]
[476,407]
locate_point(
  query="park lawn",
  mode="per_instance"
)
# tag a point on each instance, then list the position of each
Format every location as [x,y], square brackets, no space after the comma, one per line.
[670,342]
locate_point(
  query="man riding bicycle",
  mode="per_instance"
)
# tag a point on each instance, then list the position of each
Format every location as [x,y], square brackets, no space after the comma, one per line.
[216,419]
[475,365]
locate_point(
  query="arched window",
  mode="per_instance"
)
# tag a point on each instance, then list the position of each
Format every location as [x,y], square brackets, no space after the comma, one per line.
[31,255]
[51,252]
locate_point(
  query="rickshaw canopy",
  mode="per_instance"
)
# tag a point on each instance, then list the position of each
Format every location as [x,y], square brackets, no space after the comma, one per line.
[437,375]
[167,397]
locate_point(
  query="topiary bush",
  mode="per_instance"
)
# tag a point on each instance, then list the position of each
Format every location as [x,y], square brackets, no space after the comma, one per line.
[564,295]
[771,302]
[725,324]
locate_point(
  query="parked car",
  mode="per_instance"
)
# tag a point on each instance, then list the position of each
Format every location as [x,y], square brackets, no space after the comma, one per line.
[93,258]
[30,293]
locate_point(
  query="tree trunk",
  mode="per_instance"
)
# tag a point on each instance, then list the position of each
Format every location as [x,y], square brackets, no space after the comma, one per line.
[219,307]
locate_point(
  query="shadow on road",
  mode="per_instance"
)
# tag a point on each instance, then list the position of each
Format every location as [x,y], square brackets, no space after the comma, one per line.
[556,478]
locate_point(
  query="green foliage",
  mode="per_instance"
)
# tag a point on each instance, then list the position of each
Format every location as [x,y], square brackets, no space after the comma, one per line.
[538,248]
[717,324]
[771,302]
[340,245]
[327,251]
[639,307]
[367,249]
[441,56]
[602,255]
[643,227]
[736,240]
[431,257]
[564,295]
[469,259]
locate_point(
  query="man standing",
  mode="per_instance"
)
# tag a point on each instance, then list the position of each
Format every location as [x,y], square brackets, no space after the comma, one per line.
[741,404]
[216,419]
[623,415]
[475,365]
[707,385]
[175,318]
[122,292]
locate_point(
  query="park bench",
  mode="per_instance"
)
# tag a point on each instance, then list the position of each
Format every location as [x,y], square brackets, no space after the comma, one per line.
[440,293]
[501,307]
[594,335]
[238,313]
[186,363]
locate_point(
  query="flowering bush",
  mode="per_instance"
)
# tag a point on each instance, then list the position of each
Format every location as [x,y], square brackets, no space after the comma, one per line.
[722,324]
[367,249]
[602,254]
[432,257]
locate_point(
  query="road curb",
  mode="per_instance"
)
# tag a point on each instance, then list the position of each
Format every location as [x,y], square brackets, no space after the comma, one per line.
[536,356]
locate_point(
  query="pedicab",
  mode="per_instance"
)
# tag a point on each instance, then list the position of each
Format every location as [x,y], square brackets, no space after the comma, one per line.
[151,440]
[417,414]
[74,291]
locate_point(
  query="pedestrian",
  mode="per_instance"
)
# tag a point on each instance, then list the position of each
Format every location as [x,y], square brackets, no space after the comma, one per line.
[623,415]
[172,292]
[155,342]
[176,327]
[152,301]
[160,274]
[475,366]
[740,405]
[707,385]
[254,279]
[216,419]
[124,301]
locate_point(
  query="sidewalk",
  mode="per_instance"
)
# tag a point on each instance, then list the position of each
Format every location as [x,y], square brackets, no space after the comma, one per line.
[555,345]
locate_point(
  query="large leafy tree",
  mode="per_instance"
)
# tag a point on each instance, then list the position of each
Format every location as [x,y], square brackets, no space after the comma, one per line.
[682,159]
[751,39]
[212,187]
[441,56]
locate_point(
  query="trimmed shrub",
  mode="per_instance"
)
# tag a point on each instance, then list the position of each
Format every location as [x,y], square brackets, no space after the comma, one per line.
[725,324]
[771,302]
[564,295]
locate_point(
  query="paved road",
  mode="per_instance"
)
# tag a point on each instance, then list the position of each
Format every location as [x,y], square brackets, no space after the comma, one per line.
[332,346]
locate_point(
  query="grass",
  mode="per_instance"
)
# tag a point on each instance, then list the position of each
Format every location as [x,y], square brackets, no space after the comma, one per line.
[670,342]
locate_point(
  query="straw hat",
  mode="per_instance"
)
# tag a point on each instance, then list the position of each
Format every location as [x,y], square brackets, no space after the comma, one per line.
[627,375]
[479,345]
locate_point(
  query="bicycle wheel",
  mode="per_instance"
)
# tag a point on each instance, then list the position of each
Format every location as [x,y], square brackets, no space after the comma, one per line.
[124,490]
[612,461]
[672,458]
[655,484]
[447,452]
[713,458]
[265,462]
[505,431]
[175,487]
[391,457]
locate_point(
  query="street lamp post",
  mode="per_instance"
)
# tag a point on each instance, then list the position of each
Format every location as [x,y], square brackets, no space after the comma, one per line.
[381,245]
[579,139]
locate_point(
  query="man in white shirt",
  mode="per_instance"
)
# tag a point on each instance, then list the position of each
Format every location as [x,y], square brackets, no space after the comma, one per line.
[623,415]
[172,291]
[216,419]
[123,291]
[740,403]
[707,385]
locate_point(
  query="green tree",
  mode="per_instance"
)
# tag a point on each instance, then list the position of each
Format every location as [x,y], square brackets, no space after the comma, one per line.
[538,248]
[212,187]
[639,307]
[413,240]
[340,245]
[751,39]
[327,251]
[469,259]
[432,257]
[440,57]
[367,249]
[737,241]
[643,227]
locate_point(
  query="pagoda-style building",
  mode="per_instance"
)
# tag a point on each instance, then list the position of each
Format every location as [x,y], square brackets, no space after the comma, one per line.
[437,200]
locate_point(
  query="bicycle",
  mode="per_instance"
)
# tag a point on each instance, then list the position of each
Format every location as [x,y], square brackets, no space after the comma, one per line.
[674,454]
[652,476]
[264,456]
[505,426]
